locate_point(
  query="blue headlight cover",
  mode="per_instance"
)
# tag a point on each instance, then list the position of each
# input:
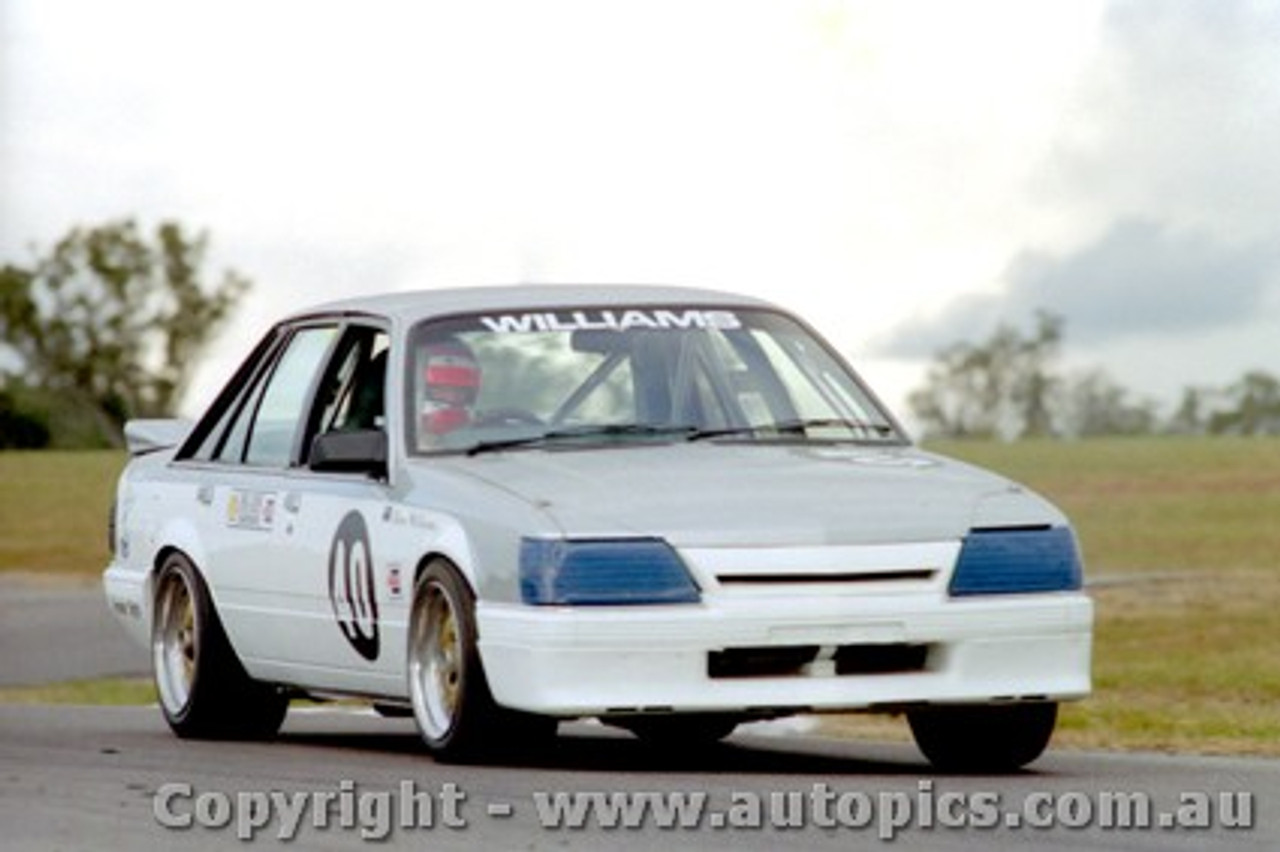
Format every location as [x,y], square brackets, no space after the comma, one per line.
[603,572]
[1017,561]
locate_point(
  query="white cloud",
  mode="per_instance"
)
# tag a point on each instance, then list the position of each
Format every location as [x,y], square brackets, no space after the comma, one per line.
[859,161]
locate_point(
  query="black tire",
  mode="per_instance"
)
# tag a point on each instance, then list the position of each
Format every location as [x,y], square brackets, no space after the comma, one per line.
[681,730]
[456,714]
[983,738]
[203,689]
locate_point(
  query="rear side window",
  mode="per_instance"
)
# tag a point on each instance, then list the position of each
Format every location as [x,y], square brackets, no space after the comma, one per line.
[280,414]
[261,423]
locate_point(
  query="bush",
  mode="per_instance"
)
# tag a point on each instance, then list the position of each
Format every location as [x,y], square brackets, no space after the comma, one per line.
[21,429]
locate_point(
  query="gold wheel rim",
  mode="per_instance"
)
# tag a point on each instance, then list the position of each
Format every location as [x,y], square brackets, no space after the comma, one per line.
[437,662]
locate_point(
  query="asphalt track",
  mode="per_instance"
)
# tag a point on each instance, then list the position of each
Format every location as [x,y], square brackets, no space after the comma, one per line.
[107,778]
[57,629]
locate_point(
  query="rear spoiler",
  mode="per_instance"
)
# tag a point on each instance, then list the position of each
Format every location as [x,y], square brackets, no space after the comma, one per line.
[149,436]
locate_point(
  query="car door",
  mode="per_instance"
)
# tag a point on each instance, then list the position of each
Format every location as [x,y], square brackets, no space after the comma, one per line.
[345,555]
[290,552]
[244,465]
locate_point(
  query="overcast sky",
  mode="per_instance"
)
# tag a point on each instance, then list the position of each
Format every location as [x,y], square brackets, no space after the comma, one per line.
[904,174]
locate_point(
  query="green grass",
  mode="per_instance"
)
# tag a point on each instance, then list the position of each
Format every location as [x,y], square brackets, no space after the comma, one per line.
[1154,504]
[105,691]
[1186,647]
[53,510]
[1191,664]
[1186,652]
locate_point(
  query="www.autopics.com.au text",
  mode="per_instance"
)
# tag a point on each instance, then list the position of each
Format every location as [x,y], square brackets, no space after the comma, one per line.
[374,814]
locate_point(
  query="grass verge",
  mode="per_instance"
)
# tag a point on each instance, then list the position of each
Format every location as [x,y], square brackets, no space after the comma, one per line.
[106,691]
[1181,535]
[53,509]
[1186,653]
[1189,665]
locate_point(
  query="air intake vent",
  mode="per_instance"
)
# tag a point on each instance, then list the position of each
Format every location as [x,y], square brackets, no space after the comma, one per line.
[799,660]
[858,578]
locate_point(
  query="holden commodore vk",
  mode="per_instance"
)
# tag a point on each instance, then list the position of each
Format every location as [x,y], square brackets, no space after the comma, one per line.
[672,509]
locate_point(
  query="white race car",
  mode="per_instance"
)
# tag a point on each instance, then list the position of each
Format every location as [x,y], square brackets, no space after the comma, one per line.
[672,509]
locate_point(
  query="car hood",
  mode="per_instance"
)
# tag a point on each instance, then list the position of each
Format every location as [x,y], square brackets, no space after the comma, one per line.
[707,495]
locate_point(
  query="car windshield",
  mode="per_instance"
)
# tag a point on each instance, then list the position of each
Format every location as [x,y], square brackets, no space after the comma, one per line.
[590,377]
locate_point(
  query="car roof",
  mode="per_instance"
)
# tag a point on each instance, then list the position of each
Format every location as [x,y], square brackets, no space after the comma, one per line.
[414,305]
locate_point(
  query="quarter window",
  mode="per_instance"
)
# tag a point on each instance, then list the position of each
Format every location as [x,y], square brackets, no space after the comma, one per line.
[280,411]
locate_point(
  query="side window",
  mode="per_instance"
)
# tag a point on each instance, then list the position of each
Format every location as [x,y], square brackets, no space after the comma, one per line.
[353,396]
[232,449]
[267,426]
[242,390]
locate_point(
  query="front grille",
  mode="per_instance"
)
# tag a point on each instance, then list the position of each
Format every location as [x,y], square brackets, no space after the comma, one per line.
[863,577]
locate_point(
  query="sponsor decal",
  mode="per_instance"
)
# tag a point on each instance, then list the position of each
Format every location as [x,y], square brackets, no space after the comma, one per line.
[398,517]
[872,459]
[420,521]
[251,510]
[612,320]
[394,585]
[351,586]
[126,608]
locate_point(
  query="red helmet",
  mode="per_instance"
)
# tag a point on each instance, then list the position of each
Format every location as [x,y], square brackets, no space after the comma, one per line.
[451,382]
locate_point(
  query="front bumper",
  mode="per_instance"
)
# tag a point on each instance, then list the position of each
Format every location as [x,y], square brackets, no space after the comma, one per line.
[600,660]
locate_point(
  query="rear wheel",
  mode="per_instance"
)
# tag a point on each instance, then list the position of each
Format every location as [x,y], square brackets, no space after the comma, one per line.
[983,738]
[204,692]
[454,709]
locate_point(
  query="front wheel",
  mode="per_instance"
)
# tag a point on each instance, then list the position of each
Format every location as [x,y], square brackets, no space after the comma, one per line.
[983,738]
[452,705]
[204,691]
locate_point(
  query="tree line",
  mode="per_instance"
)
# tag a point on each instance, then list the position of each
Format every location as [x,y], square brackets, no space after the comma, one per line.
[1011,385]
[105,326]
[109,324]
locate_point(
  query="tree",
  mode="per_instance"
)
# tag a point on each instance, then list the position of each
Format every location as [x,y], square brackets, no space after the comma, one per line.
[115,317]
[114,320]
[1189,417]
[1006,387]
[20,429]
[1255,410]
[1094,405]
[1002,387]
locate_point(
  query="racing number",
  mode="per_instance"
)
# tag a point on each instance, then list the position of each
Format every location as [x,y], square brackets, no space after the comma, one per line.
[351,585]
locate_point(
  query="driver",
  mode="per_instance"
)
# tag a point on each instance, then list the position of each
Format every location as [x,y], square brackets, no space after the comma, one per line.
[451,382]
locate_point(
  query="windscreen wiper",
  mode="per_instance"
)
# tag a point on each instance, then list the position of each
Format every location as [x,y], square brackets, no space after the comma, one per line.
[606,430]
[797,427]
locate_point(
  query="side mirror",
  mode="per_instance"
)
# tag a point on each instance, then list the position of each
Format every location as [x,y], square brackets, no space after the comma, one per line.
[357,451]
